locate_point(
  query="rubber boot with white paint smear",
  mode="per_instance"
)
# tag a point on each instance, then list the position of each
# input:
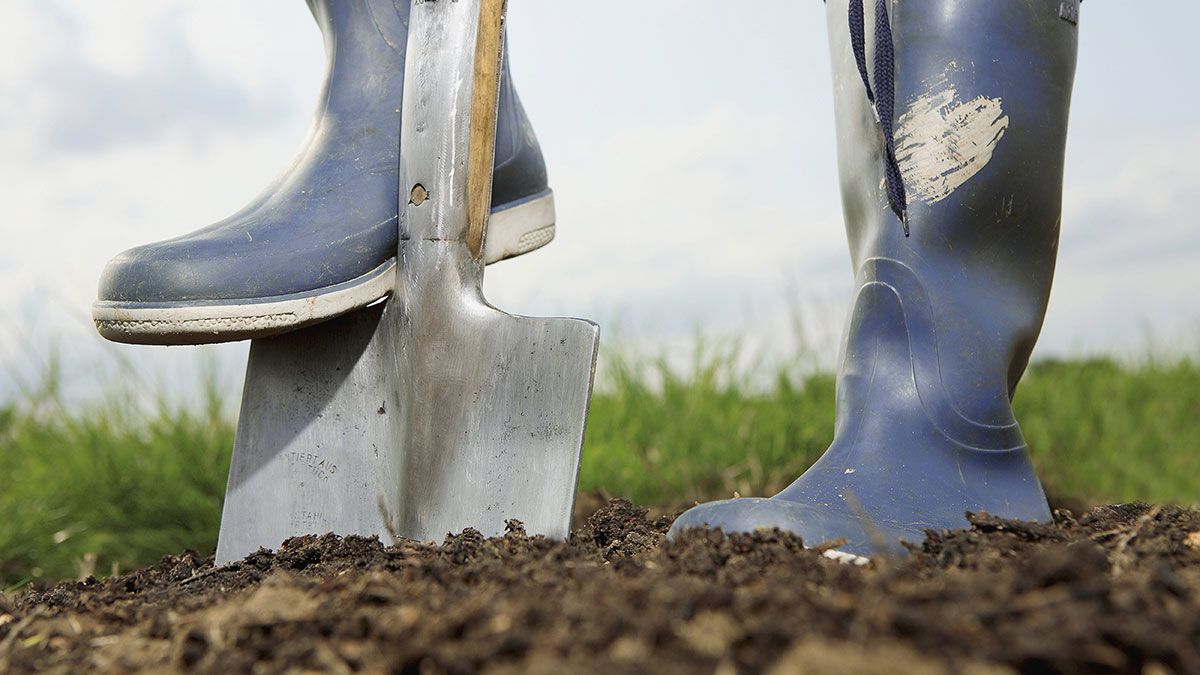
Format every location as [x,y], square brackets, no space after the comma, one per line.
[943,319]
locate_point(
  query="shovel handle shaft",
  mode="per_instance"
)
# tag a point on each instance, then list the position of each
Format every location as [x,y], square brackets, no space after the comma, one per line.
[485,93]
[448,135]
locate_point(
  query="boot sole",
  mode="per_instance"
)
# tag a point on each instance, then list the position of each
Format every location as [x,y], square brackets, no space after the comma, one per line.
[516,229]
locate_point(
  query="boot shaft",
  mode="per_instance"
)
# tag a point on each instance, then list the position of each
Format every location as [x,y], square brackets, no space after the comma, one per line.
[982,93]
[365,44]
[365,41]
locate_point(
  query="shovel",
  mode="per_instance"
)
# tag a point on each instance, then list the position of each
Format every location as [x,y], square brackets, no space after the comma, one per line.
[434,411]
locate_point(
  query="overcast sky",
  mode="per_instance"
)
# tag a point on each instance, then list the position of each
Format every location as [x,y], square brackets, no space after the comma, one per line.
[689,142]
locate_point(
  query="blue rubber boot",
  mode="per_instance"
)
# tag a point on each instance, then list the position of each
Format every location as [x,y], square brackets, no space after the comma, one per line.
[952,202]
[321,240]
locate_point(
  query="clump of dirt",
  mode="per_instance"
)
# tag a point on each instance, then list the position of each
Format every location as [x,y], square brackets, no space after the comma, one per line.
[1115,590]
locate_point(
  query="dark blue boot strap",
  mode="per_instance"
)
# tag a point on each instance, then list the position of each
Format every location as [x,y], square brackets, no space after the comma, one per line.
[883,97]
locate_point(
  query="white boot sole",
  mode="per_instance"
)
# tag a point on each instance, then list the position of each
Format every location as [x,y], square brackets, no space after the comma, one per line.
[511,232]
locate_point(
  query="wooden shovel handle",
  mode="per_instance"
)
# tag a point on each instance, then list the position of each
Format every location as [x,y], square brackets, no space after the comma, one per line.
[485,92]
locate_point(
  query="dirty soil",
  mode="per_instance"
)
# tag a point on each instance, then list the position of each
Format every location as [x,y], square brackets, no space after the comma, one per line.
[1114,590]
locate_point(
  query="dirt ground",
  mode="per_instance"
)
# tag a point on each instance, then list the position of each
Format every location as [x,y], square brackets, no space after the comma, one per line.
[1115,590]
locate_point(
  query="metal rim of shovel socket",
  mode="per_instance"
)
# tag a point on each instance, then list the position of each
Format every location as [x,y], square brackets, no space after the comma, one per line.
[432,412]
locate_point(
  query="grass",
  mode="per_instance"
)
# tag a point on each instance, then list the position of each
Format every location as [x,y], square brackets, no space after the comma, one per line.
[1098,431]
[107,488]
[1102,432]
[657,436]
[88,490]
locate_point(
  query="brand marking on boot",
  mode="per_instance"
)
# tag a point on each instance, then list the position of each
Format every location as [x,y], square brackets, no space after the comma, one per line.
[942,141]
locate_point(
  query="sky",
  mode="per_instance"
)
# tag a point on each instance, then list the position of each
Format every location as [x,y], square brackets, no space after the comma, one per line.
[690,147]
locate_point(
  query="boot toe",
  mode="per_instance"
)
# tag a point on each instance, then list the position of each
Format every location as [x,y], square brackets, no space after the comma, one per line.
[213,271]
[173,274]
[195,291]
[814,524]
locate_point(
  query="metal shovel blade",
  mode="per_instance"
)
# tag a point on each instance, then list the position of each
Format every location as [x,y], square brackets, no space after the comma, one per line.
[335,436]
[435,412]
[497,405]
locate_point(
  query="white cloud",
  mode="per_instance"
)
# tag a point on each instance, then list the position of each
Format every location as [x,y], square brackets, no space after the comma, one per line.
[682,219]
[105,150]
[1129,263]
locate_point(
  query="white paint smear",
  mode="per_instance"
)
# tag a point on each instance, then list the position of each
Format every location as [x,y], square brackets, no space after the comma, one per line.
[941,142]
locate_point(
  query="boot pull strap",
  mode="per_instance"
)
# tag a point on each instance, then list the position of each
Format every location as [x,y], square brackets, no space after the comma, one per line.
[883,98]
[485,93]
[858,43]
